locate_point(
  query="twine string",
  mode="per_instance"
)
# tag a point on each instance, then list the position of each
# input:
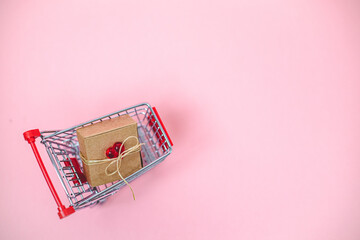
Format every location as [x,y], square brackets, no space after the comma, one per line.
[117,160]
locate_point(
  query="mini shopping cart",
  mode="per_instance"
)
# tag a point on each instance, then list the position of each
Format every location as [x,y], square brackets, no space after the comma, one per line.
[63,150]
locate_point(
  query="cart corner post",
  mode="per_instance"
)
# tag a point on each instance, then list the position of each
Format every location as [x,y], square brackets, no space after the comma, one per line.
[30,137]
[162,125]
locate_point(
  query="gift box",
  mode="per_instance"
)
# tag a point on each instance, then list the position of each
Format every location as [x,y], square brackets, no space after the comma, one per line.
[96,139]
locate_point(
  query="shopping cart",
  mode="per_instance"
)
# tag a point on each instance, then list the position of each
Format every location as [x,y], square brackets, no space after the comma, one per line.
[63,150]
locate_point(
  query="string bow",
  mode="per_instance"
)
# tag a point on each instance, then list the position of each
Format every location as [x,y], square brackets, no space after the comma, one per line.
[117,160]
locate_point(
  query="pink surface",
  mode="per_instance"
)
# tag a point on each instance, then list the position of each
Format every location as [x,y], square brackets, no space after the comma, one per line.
[262,101]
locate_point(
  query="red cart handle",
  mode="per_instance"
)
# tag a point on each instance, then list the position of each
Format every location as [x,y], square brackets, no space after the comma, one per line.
[162,125]
[30,137]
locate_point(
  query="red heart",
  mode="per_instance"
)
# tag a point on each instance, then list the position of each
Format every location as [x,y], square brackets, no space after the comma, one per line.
[111,153]
[117,146]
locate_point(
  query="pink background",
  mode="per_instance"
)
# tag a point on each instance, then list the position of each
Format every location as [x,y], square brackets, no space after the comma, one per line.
[261,99]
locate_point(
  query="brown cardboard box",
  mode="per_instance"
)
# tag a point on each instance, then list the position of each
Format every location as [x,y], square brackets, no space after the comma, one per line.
[95,139]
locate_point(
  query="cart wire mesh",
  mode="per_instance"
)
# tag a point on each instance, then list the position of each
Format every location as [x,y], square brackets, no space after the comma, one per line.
[63,149]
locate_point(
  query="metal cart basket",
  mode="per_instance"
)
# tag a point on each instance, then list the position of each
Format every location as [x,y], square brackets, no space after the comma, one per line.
[63,150]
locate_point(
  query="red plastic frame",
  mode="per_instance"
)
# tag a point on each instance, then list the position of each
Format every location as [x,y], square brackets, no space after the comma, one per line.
[163,126]
[30,137]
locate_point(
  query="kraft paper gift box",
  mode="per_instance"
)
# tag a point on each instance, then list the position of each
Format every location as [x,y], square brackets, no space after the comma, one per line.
[95,139]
